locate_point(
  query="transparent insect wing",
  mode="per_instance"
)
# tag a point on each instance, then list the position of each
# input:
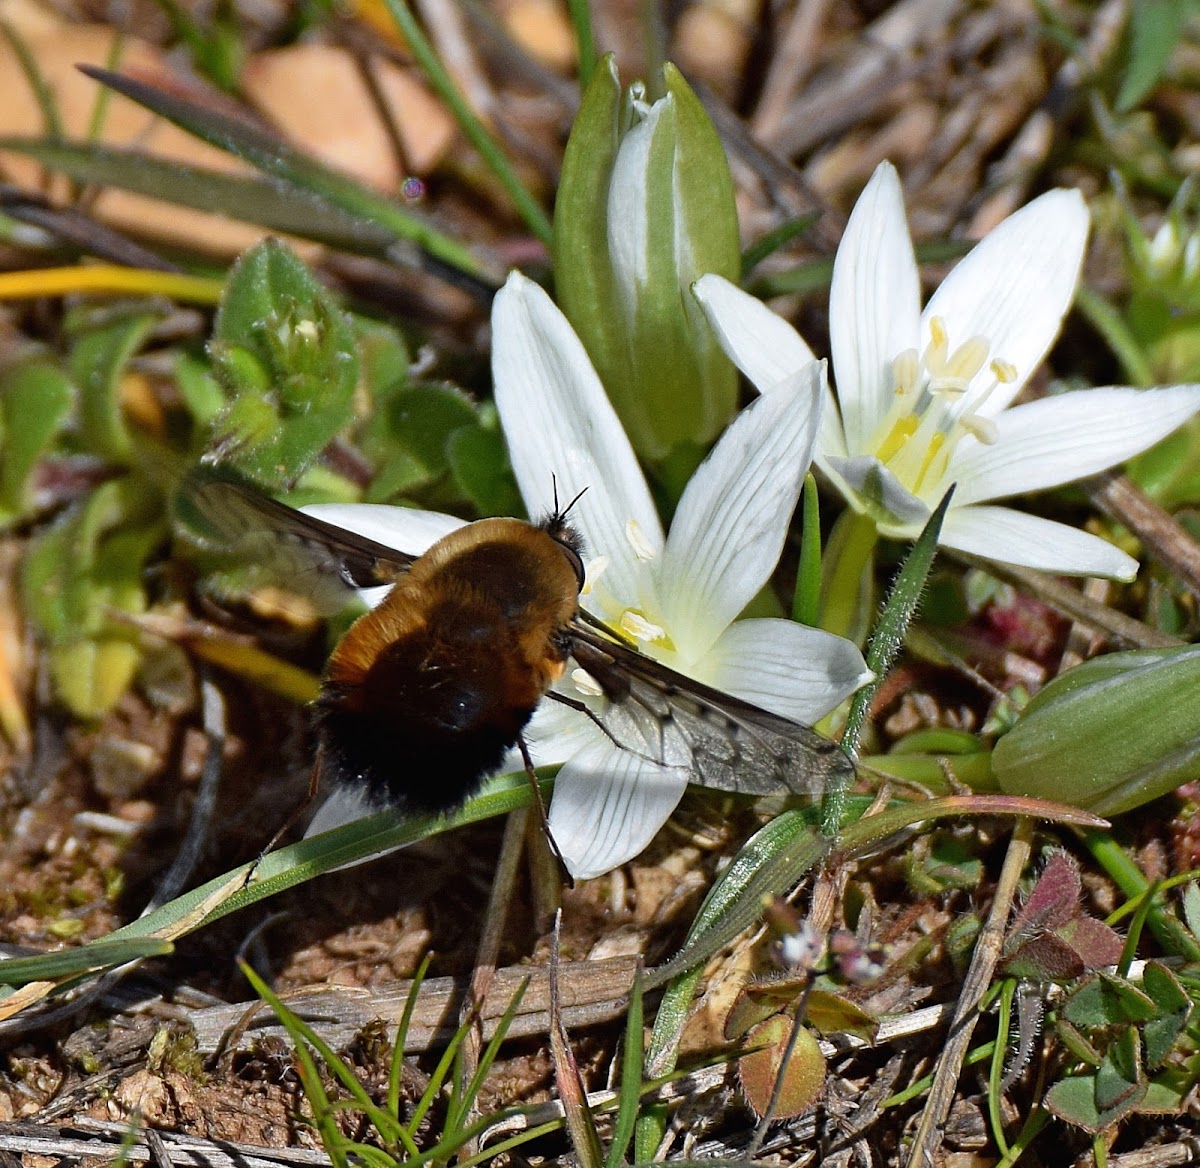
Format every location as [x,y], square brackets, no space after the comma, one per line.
[721,741]
[319,560]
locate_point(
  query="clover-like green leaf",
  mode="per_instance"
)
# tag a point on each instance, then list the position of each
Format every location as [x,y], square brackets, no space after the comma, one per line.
[1173,1010]
[1107,1000]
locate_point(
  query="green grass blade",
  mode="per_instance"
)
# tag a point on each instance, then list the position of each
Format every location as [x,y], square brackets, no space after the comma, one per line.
[397,1065]
[306,1038]
[631,1079]
[271,204]
[301,861]
[274,156]
[476,133]
[774,240]
[585,44]
[806,601]
[27,61]
[492,1049]
[99,955]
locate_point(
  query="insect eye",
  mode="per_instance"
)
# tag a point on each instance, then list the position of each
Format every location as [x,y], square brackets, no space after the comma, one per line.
[574,559]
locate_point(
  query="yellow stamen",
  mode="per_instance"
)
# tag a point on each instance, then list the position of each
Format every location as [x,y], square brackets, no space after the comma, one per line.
[896,437]
[905,369]
[636,625]
[983,428]
[937,456]
[593,570]
[967,360]
[938,347]
[638,541]
[585,683]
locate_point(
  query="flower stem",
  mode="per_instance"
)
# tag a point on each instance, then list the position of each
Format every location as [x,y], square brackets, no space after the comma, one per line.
[848,571]
[806,603]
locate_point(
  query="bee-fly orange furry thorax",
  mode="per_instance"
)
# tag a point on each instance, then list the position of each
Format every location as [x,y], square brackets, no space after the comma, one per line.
[436,684]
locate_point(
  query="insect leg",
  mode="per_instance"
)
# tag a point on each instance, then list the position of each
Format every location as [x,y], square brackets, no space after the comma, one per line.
[595,719]
[541,808]
[314,785]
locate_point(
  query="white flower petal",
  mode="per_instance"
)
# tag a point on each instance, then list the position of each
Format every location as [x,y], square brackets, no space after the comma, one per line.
[733,516]
[790,669]
[831,439]
[608,805]
[628,213]
[344,804]
[404,528]
[874,305]
[761,344]
[1057,439]
[880,493]
[1012,537]
[561,427]
[1015,287]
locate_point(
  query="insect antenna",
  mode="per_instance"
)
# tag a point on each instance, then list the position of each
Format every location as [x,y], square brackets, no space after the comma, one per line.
[560,513]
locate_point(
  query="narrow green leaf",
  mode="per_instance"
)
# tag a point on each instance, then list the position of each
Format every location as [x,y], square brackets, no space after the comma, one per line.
[468,121]
[28,64]
[773,860]
[304,1036]
[770,243]
[300,862]
[492,1050]
[1154,31]
[631,1079]
[273,204]
[396,1070]
[585,45]
[806,601]
[886,642]
[102,954]
[274,156]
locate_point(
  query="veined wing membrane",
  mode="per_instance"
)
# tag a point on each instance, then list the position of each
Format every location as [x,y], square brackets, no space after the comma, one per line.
[725,742]
[319,559]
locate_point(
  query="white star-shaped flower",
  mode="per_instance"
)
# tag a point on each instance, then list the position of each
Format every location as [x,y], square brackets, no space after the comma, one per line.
[924,398]
[677,595]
